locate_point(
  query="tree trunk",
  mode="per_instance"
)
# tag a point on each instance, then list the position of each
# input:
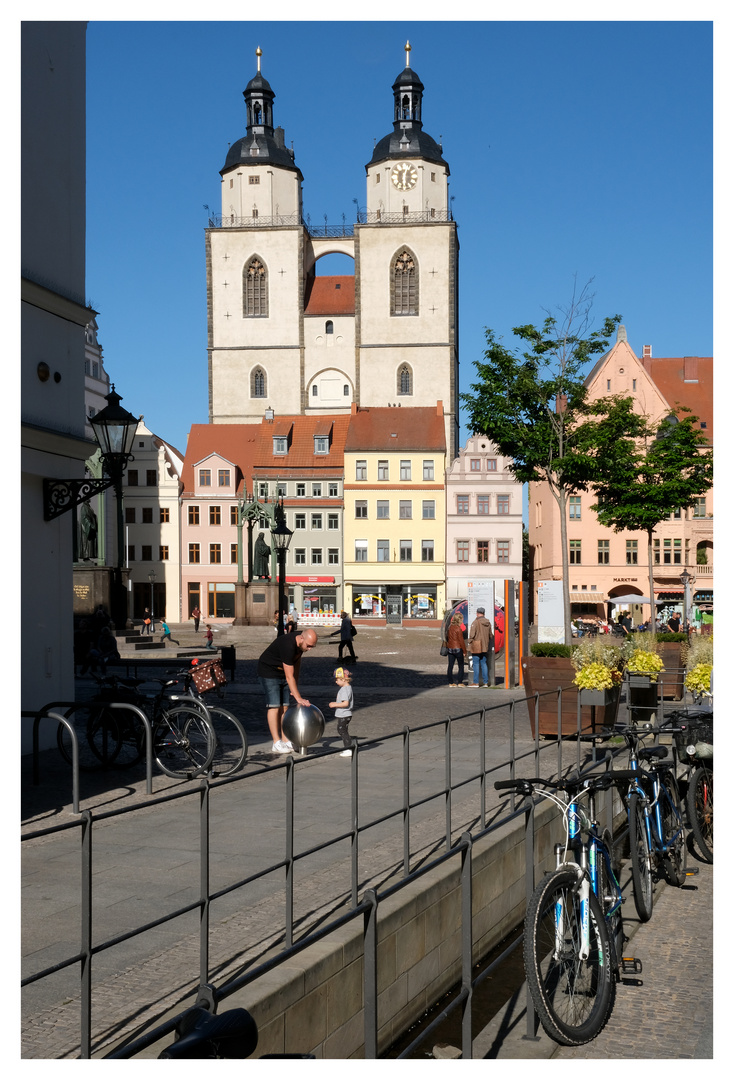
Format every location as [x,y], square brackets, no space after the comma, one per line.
[651,581]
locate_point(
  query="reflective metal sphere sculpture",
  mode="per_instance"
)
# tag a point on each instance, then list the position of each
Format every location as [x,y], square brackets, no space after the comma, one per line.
[303,725]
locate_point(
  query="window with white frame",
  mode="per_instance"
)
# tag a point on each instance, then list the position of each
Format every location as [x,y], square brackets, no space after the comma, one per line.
[405,470]
[428,469]
[426,550]
[429,509]
[360,551]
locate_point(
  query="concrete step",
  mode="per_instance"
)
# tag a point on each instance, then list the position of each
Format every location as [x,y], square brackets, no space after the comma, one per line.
[150,644]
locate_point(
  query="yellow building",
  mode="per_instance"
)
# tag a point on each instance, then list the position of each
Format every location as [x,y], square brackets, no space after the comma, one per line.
[395,514]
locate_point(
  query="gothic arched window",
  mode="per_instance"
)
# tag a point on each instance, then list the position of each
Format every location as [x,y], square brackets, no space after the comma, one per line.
[258,383]
[255,289]
[404,284]
[405,380]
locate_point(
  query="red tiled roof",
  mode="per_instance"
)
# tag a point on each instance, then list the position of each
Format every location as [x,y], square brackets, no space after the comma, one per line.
[670,374]
[413,428]
[235,442]
[301,447]
[330,296]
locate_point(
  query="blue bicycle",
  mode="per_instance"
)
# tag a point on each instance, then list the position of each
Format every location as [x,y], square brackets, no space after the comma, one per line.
[573,934]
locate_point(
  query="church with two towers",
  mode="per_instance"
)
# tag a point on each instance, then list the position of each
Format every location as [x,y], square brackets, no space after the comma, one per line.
[281,337]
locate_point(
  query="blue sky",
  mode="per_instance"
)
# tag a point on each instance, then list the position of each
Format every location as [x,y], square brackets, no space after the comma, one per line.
[575,148]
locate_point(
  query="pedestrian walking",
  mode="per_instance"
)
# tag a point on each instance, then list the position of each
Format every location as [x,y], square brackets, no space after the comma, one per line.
[209,638]
[345,632]
[196,615]
[277,670]
[457,650]
[147,622]
[344,705]
[480,642]
[167,633]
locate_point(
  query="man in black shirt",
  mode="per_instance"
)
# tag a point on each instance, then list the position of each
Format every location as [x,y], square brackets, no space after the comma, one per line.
[277,671]
[674,623]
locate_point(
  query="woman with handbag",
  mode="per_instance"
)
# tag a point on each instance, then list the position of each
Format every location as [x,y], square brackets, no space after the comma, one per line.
[457,650]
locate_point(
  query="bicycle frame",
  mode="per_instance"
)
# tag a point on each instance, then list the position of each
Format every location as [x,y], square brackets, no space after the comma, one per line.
[651,808]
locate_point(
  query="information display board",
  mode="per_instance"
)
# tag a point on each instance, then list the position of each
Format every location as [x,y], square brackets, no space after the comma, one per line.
[550,611]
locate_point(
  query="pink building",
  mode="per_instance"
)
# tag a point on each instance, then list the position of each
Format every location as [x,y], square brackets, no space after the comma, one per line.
[607,564]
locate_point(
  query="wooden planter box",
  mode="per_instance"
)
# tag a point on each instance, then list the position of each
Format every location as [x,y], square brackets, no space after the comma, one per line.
[544,673]
[672,673]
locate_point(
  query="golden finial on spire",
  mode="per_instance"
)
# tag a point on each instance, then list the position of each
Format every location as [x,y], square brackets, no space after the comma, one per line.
[258,54]
[407,54]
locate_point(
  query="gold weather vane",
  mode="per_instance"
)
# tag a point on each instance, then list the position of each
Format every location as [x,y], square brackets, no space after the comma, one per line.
[258,54]
[407,54]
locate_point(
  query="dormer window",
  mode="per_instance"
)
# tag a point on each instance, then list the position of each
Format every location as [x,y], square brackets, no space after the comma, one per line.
[321,444]
[280,444]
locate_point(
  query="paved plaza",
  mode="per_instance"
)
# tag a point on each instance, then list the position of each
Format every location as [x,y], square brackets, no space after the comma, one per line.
[146,863]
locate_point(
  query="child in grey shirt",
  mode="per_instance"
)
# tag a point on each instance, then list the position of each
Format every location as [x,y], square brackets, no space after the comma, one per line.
[343,707]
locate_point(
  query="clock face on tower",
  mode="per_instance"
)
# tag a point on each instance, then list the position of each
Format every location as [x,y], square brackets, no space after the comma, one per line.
[404,176]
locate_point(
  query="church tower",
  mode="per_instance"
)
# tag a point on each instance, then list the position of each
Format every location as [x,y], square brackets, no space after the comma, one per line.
[283,338]
[407,255]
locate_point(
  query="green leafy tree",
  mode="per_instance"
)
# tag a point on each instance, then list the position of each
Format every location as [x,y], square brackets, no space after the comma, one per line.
[530,404]
[642,471]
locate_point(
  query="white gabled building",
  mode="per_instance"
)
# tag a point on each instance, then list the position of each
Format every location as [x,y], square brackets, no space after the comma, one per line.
[483,518]
[151,490]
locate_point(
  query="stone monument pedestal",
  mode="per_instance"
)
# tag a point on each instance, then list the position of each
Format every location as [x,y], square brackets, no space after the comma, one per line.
[255,602]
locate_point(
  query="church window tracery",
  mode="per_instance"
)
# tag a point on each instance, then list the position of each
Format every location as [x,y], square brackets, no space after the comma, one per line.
[405,380]
[404,282]
[255,289]
[258,383]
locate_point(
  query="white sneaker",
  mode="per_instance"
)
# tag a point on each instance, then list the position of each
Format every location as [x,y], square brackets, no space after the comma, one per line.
[287,743]
[280,748]
[346,753]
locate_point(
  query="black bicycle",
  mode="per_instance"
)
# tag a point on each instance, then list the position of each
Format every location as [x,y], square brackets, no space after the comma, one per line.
[184,740]
[694,739]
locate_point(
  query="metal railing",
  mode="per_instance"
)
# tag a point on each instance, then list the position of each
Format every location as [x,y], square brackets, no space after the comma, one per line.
[373,217]
[367,907]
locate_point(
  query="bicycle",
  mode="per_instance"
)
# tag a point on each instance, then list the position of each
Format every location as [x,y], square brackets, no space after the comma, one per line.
[184,740]
[573,933]
[117,736]
[695,744]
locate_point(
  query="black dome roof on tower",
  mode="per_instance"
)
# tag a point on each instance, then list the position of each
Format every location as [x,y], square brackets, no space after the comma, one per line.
[408,139]
[263,144]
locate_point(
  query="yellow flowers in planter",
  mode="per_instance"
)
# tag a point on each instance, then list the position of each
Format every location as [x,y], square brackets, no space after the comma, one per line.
[700,666]
[598,664]
[698,679]
[644,662]
[641,656]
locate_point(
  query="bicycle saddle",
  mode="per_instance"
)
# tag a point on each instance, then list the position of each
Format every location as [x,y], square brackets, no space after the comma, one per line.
[648,753]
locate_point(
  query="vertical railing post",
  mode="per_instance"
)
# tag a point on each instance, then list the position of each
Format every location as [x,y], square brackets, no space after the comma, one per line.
[467,939]
[406,801]
[483,766]
[512,750]
[86,937]
[531,1023]
[289,793]
[370,975]
[355,826]
[447,778]
[204,796]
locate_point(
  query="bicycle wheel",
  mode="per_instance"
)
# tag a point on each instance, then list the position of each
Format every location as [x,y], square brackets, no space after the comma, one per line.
[98,737]
[230,752]
[700,807]
[609,894]
[640,859]
[573,998]
[674,837]
[183,742]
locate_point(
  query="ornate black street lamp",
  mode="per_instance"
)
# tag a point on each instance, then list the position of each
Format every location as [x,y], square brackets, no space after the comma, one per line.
[281,538]
[114,429]
[151,579]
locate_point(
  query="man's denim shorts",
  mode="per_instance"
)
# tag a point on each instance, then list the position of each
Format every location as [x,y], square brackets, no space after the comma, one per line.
[276,692]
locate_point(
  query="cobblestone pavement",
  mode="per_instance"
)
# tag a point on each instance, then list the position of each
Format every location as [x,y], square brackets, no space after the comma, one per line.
[399,680]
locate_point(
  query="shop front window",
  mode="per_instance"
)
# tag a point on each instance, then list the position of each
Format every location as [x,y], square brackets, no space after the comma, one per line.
[419,601]
[368,600]
[221,600]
